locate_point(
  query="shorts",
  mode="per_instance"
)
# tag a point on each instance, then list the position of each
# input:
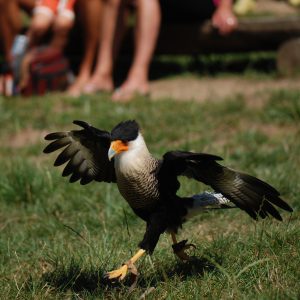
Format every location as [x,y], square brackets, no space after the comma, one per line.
[55,7]
[186,11]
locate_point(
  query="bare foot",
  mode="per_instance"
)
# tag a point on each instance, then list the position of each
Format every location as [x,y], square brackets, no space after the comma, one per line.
[98,84]
[127,92]
[76,88]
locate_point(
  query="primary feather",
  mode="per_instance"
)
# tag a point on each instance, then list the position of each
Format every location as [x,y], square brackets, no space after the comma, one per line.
[85,151]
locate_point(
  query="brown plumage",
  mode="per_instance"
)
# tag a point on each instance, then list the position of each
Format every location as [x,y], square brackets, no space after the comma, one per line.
[150,185]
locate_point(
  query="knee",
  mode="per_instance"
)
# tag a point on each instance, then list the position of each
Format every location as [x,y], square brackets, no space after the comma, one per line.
[62,25]
[40,26]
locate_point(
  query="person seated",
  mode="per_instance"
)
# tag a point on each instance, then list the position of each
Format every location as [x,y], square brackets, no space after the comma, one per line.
[57,15]
[149,14]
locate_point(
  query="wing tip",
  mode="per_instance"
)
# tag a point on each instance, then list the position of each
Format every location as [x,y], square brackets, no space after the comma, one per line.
[51,136]
[82,124]
[48,149]
[48,137]
[288,207]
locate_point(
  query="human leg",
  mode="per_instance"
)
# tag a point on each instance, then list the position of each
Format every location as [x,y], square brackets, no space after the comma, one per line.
[40,24]
[61,29]
[147,29]
[101,79]
[10,24]
[90,16]
[62,23]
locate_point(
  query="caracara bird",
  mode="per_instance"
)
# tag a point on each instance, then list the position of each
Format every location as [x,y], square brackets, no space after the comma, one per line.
[149,185]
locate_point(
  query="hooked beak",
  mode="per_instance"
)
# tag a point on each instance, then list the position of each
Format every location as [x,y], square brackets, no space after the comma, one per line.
[116,147]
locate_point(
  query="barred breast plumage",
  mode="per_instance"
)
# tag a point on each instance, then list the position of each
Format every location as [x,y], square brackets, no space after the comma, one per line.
[139,186]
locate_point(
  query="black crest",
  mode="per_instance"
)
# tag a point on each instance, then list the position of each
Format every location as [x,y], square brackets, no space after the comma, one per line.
[125,131]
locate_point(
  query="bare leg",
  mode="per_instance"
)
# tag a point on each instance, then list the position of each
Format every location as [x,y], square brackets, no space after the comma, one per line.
[61,29]
[10,24]
[90,14]
[102,77]
[148,24]
[39,26]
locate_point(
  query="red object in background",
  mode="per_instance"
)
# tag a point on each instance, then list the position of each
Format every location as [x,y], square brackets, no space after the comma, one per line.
[49,71]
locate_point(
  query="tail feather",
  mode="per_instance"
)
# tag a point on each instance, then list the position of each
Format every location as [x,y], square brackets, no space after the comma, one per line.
[208,201]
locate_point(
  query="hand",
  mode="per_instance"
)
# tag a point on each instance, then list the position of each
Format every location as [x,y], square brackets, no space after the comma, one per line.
[224,19]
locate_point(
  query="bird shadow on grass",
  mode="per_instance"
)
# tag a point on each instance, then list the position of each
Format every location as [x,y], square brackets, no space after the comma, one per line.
[196,267]
[76,279]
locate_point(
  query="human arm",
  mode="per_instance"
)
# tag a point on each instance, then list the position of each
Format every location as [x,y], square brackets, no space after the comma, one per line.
[224,18]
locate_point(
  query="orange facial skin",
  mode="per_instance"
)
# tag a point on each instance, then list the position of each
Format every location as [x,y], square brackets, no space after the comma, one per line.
[117,147]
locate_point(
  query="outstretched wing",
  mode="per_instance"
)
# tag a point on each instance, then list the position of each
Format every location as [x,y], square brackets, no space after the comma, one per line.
[85,151]
[251,194]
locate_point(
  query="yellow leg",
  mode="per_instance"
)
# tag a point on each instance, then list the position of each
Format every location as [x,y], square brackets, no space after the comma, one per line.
[180,247]
[127,267]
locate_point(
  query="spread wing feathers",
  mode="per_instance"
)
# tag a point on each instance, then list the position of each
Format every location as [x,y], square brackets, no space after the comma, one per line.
[251,194]
[85,151]
[173,164]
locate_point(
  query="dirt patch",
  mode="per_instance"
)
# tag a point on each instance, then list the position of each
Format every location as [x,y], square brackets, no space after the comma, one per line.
[26,137]
[254,91]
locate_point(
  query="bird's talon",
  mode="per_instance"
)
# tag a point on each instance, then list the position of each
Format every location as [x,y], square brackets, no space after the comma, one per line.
[120,274]
[132,268]
[179,249]
[188,246]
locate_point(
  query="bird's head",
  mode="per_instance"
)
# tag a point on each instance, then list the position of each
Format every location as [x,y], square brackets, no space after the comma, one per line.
[122,137]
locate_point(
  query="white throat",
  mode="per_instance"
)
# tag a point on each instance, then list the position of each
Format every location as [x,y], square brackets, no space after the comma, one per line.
[134,157]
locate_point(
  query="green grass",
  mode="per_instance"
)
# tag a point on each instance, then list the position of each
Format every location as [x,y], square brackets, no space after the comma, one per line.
[57,239]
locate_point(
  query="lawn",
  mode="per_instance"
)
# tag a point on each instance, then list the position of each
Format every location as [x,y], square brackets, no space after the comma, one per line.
[57,239]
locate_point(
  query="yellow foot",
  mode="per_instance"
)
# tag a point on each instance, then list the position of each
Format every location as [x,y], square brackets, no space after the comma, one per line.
[179,250]
[121,273]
